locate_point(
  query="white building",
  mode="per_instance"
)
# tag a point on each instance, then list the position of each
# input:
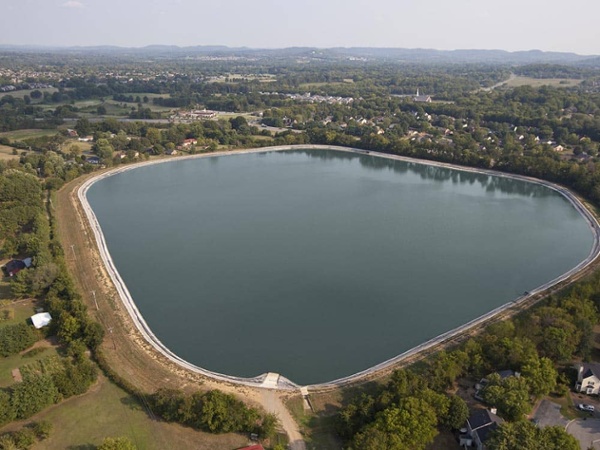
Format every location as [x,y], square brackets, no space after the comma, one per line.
[588,378]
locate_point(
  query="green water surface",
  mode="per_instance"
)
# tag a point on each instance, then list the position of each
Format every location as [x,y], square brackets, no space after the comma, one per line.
[318,264]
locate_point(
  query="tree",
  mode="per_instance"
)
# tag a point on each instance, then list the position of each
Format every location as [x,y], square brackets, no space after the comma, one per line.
[153,135]
[525,435]
[15,338]
[509,395]
[103,149]
[36,94]
[458,413]
[93,334]
[409,426]
[268,426]
[540,375]
[32,395]
[119,443]
[7,413]
[42,429]
[74,151]
[7,443]
[167,403]
[83,127]
[218,413]
[24,438]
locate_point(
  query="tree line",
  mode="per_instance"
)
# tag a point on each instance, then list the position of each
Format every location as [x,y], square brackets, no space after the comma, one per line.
[538,344]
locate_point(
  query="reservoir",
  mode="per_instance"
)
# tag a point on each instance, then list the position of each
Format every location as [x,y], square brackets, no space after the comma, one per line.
[318,264]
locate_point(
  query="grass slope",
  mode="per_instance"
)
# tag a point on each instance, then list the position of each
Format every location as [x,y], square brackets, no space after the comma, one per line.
[106,410]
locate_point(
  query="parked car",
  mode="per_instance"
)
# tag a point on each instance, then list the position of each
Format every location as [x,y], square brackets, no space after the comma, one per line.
[584,407]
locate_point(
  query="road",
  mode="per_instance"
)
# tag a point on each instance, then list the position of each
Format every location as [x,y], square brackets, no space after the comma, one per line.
[272,403]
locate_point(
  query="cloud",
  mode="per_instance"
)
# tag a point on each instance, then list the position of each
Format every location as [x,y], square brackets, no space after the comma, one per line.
[72,4]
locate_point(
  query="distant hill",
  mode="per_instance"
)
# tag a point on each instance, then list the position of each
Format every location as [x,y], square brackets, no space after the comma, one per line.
[398,55]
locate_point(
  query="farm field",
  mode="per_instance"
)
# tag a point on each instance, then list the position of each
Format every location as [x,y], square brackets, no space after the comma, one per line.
[537,82]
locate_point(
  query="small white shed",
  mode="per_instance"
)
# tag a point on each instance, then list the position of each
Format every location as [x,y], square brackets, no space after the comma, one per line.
[41,319]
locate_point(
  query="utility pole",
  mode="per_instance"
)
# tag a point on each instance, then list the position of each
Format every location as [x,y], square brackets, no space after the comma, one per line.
[73,250]
[112,337]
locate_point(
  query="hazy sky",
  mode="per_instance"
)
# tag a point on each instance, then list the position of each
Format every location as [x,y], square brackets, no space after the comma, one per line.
[557,25]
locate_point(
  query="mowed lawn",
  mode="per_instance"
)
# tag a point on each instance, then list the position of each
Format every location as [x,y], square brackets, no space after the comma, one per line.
[108,411]
[15,312]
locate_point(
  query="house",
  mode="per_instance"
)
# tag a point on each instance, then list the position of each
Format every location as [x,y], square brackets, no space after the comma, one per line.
[480,426]
[93,160]
[170,151]
[588,378]
[189,142]
[72,133]
[253,447]
[558,148]
[14,266]
[86,139]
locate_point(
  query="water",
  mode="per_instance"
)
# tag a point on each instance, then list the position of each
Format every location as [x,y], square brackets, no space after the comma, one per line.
[318,264]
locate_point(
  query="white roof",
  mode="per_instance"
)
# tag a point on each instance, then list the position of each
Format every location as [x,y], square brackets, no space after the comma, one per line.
[41,319]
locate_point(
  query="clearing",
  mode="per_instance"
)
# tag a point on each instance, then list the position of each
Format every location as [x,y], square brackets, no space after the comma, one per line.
[537,82]
[6,153]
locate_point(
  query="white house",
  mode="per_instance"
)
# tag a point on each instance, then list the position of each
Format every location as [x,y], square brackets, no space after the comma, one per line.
[588,378]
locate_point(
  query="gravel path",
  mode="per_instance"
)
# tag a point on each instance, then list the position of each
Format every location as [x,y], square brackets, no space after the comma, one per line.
[272,403]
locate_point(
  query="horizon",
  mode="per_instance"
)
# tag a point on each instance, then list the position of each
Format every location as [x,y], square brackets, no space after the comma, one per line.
[252,48]
[511,26]
[249,47]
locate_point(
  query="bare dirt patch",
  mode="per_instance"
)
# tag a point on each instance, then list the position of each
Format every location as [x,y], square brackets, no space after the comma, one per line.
[16,374]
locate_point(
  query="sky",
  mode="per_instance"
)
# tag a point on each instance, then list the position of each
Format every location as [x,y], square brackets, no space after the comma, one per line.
[549,25]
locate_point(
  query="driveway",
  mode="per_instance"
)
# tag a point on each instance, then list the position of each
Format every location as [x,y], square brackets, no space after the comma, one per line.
[548,414]
[586,431]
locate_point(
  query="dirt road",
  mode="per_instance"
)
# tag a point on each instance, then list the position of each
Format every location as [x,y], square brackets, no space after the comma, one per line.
[271,401]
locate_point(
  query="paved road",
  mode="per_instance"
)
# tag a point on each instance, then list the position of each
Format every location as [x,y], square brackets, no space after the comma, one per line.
[548,414]
[586,431]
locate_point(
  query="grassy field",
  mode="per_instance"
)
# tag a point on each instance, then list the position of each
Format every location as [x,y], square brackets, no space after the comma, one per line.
[23,93]
[12,362]
[324,84]
[20,135]
[18,312]
[537,82]
[106,410]
[7,153]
